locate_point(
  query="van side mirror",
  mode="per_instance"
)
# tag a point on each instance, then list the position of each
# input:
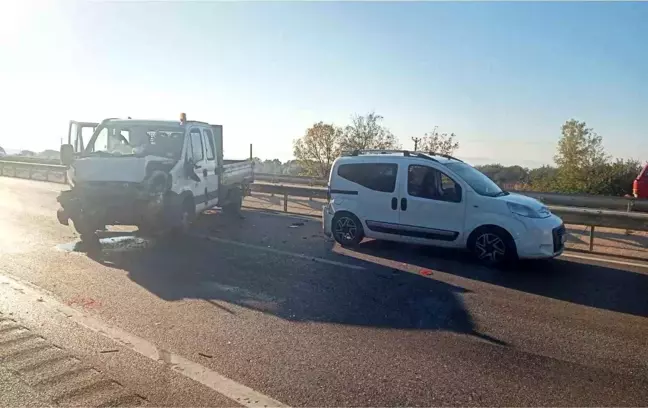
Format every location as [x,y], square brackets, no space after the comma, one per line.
[67,154]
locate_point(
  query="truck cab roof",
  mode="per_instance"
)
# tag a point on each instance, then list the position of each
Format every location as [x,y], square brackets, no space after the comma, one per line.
[136,122]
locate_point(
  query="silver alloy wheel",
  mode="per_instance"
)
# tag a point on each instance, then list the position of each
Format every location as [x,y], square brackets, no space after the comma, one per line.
[346,229]
[490,247]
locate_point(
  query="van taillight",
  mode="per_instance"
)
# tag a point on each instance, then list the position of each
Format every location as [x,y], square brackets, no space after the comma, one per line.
[328,193]
[635,188]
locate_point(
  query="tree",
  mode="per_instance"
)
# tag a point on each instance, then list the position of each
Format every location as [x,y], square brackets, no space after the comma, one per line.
[543,178]
[367,132]
[505,175]
[580,151]
[49,154]
[436,142]
[316,150]
[579,147]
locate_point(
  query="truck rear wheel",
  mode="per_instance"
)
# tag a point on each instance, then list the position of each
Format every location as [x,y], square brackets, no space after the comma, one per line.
[186,217]
[234,203]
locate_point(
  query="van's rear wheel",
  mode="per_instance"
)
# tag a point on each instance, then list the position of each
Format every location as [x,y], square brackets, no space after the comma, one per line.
[492,246]
[347,229]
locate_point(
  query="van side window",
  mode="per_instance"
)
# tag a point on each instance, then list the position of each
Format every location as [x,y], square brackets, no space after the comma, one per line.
[374,176]
[430,183]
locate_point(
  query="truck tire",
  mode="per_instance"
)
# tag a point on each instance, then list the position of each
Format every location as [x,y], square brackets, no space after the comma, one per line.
[186,214]
[234,203]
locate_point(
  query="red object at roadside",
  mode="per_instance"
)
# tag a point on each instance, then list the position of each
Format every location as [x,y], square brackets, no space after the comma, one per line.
[640,185]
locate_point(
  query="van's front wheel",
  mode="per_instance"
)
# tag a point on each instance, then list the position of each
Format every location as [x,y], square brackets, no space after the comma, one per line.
[347,229]
[492,246]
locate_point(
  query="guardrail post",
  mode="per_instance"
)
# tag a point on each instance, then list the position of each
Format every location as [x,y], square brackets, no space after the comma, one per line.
[591,246]
[285,202]
[31,173]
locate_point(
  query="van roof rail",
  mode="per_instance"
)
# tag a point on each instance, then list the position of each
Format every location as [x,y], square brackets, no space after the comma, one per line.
[406,153]
[447,156]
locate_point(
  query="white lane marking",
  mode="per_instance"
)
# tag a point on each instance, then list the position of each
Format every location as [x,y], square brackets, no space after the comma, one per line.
[237,392]
[605,260]
[280,252]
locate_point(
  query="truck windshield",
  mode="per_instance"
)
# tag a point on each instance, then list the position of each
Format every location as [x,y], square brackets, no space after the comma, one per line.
[476,179]
[124,139]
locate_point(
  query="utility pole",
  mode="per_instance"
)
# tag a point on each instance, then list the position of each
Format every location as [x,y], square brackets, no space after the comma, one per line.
[416,142]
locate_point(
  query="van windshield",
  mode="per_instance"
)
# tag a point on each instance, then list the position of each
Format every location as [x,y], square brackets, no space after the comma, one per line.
[476,179]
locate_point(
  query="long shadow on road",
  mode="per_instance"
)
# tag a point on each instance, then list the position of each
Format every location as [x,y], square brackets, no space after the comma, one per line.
[601,287]
[295,289]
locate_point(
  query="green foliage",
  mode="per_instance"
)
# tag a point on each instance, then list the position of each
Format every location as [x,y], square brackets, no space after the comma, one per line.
[323,142]
[317,149]
[584,167]
[542,178]
[367,132]
[435,142]
[505,175]
[289,168]
[580,157]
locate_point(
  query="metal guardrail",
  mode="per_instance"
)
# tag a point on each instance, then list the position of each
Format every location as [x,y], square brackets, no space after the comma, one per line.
[559,199]
[573,209]
[34,171]
[570,215]
[281,178]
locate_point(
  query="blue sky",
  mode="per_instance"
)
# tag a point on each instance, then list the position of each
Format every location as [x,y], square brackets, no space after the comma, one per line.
[502,76]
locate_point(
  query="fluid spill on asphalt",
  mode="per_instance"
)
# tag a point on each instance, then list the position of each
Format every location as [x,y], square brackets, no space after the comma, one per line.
[125,243]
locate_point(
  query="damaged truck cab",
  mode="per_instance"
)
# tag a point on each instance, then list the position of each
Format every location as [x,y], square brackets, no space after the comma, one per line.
[156,175]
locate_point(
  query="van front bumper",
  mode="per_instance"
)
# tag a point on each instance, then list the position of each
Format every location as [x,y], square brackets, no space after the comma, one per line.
[544,238]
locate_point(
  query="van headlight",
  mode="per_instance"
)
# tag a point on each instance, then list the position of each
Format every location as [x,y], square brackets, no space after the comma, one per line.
[526,211]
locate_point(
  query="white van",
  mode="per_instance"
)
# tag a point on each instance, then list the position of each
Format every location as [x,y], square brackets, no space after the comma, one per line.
[437,200]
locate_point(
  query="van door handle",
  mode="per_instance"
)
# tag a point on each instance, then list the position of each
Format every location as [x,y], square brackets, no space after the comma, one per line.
[394,203]
[205,172]
[404,204]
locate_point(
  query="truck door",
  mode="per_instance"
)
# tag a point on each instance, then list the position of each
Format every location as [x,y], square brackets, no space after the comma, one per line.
[80,133]
[210,171]
[196,157]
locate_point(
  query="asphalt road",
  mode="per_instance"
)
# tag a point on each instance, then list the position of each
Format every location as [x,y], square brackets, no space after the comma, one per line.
[268,304]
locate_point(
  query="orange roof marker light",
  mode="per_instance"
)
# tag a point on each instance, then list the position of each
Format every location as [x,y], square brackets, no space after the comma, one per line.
[183,118]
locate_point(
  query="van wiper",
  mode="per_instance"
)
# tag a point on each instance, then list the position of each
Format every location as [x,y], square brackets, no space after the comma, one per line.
[502,193]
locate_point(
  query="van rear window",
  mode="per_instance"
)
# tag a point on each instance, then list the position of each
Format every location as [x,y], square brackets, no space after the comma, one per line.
[374,176]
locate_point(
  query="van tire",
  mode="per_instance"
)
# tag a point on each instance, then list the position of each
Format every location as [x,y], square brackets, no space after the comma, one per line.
[347,229]
[492,246]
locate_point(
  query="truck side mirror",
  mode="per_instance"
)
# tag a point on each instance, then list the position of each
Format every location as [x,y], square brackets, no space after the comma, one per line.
[190,170]
[67,154]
